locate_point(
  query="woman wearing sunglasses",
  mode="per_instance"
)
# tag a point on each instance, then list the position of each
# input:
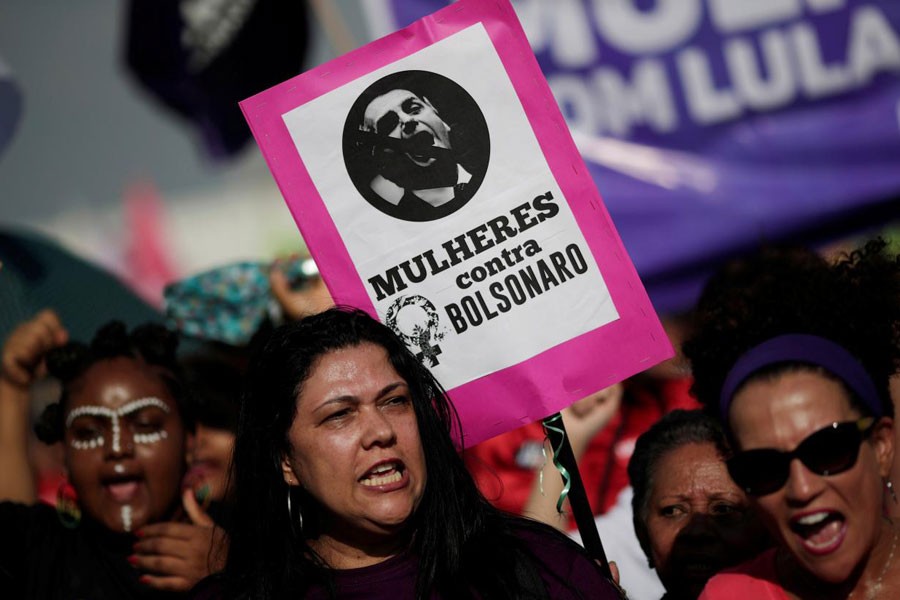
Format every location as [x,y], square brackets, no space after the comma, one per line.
[797,368]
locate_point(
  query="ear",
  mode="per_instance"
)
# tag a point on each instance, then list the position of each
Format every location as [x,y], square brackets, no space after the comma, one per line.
[287,471]
[883,444]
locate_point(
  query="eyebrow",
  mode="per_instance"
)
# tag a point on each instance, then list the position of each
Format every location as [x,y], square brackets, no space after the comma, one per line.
[92,410]
[142,403]
[349,398]
[731,496]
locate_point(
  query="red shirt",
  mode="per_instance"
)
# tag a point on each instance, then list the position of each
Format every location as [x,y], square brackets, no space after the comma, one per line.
[504,467]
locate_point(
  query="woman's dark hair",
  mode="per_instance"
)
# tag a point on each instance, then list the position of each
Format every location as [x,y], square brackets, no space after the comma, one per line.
[854,302]
[150,343]
[462,543]
[674,430]
[214,377]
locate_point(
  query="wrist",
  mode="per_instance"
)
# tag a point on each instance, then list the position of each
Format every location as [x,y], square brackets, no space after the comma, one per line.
[578,450]
[14,413]
[11,389]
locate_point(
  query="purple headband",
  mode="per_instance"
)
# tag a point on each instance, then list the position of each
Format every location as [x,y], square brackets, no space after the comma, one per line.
[802,348]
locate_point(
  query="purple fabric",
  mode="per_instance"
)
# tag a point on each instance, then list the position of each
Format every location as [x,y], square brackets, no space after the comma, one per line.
[200,60]
[561,566]
[802,348]
[814,162]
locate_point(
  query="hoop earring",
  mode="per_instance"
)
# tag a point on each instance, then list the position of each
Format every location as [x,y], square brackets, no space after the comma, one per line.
[299,518]
[890,488]
[67,510]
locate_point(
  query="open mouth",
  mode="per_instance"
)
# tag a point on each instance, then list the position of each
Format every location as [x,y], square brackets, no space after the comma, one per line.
[383,474]
[420,147]
[420,141]
[820,532]
[122,489]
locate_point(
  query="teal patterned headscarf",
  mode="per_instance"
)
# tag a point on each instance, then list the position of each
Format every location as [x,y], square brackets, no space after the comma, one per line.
[230,303]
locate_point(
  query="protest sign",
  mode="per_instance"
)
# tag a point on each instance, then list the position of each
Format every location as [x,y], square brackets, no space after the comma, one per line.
[437,186]
[713,125]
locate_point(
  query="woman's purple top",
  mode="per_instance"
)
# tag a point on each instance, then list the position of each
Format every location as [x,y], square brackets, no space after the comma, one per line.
[561,567]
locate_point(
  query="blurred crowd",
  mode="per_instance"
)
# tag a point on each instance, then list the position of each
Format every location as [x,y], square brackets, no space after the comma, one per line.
[157,461]
[258,442]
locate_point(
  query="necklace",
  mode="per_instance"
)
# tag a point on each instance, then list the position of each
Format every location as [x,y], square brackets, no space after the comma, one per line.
[874,591]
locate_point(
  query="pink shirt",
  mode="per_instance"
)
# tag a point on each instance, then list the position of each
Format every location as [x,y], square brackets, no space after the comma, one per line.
[753,580]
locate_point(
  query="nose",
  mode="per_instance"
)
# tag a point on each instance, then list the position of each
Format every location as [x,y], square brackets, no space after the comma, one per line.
[377,429]
[699,526]
[121,441]
[802,484]
[409,125]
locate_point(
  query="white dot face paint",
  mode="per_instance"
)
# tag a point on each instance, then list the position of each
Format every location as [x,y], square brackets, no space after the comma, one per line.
[150,438]
[88,444]
[93,438]
[126,518]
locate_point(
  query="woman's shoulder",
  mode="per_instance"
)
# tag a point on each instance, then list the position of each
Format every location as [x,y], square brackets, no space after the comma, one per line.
[18,519]
[563,565]
[755,578]
[17,510]
[212,587]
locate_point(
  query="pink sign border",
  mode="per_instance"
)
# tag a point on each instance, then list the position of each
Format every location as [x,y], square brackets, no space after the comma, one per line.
[533,388]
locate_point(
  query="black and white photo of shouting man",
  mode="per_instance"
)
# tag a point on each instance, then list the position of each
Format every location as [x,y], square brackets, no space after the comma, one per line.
[416,145]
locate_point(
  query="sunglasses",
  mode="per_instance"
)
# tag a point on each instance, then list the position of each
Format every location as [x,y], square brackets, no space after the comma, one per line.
[828,451]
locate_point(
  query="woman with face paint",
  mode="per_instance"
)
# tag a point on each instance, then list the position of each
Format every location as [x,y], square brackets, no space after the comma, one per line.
[796,365]
[120,420]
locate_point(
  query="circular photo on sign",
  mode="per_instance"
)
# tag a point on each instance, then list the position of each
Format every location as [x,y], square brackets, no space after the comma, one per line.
[416,145]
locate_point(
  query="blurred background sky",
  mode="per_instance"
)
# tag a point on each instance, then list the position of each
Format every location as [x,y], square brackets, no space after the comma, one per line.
[98,164]
[89,137]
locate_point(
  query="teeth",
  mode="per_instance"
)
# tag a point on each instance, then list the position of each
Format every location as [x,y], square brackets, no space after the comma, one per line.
[384,468]
[813,519]
[376,481]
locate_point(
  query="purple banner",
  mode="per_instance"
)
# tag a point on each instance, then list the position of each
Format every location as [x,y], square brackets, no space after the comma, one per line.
[713,125]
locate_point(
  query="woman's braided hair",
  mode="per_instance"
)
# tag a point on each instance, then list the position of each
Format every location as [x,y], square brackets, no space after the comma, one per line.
[150,343]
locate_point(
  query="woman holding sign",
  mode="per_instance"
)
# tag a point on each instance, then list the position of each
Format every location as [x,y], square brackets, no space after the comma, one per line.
[348,484]
[798,372]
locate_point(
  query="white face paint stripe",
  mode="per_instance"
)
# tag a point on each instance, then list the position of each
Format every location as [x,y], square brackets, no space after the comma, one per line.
[141,403]
[93,411]
[126,517]
[117,434]
[114,415]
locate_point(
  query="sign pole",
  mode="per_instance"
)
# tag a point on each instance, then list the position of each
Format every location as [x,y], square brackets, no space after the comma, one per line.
[581,508]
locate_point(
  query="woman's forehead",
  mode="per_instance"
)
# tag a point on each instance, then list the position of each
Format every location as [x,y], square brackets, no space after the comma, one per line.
[359,371]
[696,467]
[781,410]
[117,382]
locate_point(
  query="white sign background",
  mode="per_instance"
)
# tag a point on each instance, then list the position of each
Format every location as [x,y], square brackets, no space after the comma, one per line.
[517,173]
